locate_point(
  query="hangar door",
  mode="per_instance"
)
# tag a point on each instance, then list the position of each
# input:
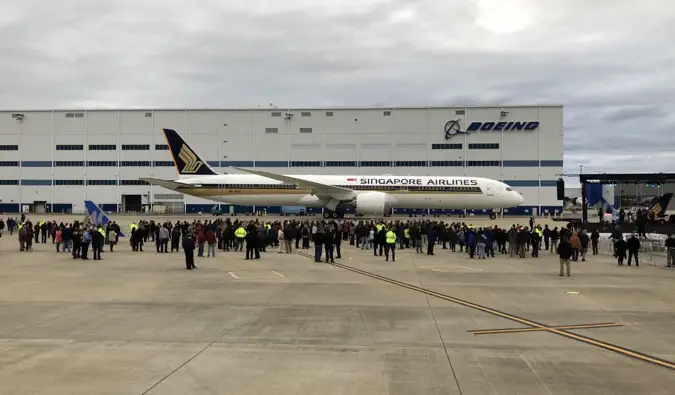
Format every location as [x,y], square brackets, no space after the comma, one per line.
[132,203]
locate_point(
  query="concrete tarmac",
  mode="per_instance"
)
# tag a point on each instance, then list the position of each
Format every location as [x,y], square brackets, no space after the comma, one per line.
[139,323]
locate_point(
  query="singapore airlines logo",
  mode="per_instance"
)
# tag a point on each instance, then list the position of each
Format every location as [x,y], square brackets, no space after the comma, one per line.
[192,163]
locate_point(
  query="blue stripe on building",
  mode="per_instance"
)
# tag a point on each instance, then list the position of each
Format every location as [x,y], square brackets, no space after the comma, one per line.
[285,164]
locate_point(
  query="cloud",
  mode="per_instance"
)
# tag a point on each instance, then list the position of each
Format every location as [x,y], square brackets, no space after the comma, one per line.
[610,62]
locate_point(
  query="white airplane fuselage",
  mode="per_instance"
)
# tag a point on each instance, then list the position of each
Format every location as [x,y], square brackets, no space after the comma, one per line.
[399,191]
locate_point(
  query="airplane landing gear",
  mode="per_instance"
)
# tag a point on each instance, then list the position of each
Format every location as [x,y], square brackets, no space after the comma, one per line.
[332,214]
[493,216]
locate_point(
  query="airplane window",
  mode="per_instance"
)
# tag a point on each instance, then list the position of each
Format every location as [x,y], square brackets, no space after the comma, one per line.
[509,189]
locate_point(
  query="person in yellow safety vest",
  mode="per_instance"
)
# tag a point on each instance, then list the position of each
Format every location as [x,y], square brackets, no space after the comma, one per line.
[406,237]
[240,235]
[536,241]
[390,245]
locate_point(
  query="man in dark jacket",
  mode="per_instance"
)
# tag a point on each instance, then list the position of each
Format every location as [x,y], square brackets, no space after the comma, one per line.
[252,246]
[565,253]
[189,249]
[633,244]
[318,243]
[97,241]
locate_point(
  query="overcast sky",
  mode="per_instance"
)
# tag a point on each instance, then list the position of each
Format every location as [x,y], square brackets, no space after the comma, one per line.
[610,62]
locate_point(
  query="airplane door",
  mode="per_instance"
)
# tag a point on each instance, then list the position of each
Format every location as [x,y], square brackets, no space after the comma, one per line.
[490,190]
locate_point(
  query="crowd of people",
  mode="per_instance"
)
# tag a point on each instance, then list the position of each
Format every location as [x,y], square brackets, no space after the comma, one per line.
[384,238]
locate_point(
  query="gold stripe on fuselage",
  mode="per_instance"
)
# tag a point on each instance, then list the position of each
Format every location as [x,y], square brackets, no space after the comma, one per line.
[215,191]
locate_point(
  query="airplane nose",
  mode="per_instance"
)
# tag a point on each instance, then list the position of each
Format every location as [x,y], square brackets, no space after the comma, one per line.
[519,199]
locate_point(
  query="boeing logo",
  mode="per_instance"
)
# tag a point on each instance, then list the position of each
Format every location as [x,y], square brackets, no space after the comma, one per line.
[452,127]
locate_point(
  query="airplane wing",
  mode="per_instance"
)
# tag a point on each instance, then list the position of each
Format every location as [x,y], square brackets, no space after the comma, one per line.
[168,184]
[319,188]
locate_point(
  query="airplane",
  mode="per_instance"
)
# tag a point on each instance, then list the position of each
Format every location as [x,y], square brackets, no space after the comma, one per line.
[368,195]
[97,216]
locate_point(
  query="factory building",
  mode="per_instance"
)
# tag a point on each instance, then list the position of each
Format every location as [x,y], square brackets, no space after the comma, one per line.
[54,160]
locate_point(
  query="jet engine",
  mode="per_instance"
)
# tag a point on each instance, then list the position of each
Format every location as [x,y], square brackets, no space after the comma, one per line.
[373,203]
[576,201]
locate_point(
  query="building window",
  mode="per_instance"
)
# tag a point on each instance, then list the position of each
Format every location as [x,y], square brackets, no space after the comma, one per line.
[68,182]
[483,163]
[74,115]
[447,163]
[305,114]
[101,182]
[69,147]
[410,163]
[9,163]
[68,163]
[271,130]
[306,163]
[484,146]
[9,182]
[374,163]
[133,182]
[102,163]
[305,130]
[386,113]
[161,147]
[36,183]
[135,147]
[276,113]
[135,163]
[329,113]
[460,112]
[340,163]
[6,147]
[102,147]
[446,146]
[163,163]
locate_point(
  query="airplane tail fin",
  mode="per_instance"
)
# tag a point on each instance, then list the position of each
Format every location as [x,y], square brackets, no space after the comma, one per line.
[97,216]
[661,205]
[187,162]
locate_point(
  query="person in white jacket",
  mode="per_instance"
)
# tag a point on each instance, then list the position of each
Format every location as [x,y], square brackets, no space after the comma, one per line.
[280,237]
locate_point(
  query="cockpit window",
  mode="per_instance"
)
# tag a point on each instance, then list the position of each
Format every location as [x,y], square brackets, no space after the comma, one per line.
[509,189]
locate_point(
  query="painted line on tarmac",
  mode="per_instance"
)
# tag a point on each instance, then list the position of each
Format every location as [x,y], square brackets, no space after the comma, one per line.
[533,324]
[520,330]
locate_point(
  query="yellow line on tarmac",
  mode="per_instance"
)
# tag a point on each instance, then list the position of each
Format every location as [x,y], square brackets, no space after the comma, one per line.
[517,330]
[561,332]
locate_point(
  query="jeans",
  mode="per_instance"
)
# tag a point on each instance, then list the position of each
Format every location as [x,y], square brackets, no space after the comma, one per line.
[480,250]
[317,252]
[211,250]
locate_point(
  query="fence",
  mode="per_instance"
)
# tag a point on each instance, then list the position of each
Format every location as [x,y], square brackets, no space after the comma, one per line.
[652,251]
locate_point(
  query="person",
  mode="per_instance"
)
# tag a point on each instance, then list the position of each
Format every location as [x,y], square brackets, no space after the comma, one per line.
[112,239]
[86,240]
[565,251]
[390,245]
[58,238]
[162,239]
[318,244]
[189,250]
[97,241]
[252,251]
[633,245]
[670,251]
[329,236]
[575,242]
[620,248]
[210,243]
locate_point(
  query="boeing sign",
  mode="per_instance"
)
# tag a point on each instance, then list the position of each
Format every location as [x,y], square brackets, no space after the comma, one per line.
[452,127]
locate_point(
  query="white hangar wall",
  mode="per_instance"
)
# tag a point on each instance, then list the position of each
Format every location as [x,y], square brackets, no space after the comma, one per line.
[64,157]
